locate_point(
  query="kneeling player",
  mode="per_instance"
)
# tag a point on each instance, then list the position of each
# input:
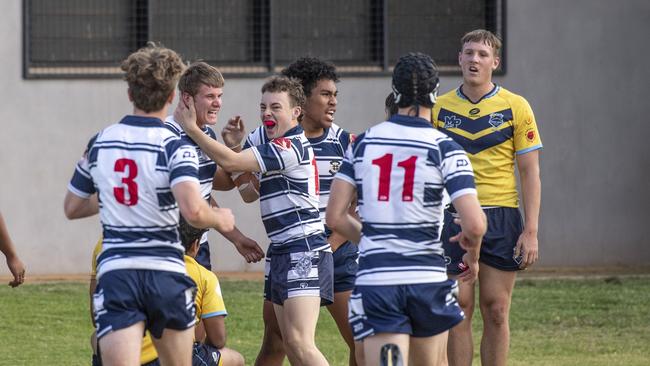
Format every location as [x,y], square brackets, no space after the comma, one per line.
[210,332]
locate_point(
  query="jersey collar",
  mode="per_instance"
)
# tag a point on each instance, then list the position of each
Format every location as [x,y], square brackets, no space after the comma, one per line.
[490,94]
[293,131]
[409,121]
[141,121]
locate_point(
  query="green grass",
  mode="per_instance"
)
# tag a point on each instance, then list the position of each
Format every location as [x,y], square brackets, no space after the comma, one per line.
[553,322]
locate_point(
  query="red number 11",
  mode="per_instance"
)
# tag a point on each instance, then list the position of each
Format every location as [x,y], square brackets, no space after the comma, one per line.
[385,164]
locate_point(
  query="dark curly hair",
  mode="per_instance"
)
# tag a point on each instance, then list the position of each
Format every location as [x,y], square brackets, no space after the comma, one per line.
[415,81]
[189,234]
[309,70]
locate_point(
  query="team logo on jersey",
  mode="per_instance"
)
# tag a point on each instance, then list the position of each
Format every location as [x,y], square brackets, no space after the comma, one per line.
[283,142]
[335,165]
[474,111]
[188,154]
[530,135]
[496,119]
[452,121]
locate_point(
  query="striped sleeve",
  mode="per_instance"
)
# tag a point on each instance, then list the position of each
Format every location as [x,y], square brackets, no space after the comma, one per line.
[456,168]
[183,163]
[346,171]
[81,183]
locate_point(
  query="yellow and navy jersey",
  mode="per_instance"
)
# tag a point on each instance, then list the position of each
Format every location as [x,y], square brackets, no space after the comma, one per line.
[209,300]
[492,131]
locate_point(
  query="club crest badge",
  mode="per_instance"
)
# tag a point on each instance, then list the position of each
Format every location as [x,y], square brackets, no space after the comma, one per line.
[496,120]
[335,165]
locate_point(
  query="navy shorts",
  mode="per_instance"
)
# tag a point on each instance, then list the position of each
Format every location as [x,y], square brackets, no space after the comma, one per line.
[205,355]
[345,266]
[160,299]
[420,310]
[203,256]
[289,275]
[504,226]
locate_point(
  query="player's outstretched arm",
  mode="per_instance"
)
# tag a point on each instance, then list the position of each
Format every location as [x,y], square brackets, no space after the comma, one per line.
[337,216]
[196,210]
[15,265]
[76,207]
[244,161]
[473,225]
[531,193]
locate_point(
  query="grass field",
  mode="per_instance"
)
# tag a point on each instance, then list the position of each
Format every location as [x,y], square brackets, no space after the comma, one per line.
[553,322]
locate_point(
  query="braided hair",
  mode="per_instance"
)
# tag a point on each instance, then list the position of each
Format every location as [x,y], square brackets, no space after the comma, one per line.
[415,81]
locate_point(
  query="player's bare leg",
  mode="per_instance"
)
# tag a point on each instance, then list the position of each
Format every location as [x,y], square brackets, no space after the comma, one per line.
[427,351]
[174,347]
[272,350]
[372,346]
[231,357]
[495,293]
[359,356]
[460,347]
[297,319]
[122,347]
[339,311]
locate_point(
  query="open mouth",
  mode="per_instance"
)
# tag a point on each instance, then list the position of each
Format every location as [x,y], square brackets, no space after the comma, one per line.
[473,69]
[269,123]
[330,115]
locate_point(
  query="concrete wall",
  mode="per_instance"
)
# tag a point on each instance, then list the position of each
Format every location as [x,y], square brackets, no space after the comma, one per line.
[581,64]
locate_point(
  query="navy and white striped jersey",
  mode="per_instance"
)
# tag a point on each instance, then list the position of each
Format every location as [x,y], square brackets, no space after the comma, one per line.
[132,166]
[400,168]
[329,149]
[288,191]
[207,167]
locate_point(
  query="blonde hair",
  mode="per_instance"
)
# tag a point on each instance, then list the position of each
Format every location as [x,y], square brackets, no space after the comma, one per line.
[483,36]
[152,73]
[200,73]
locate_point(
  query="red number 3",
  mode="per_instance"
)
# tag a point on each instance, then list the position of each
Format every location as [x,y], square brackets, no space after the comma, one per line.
[385,164]
[131,185]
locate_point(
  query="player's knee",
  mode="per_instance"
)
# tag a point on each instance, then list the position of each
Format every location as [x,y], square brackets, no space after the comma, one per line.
[496,312]
[467,306]
[298,347]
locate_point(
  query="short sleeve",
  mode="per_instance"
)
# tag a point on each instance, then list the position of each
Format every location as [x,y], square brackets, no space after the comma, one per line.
[81,184]
[183,163]
[213,304]
[526,135]
[456,169]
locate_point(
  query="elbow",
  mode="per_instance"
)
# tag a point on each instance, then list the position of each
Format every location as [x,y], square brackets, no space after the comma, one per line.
[70,210]
[193,216]
[476,228]
[218,340]
[332,221]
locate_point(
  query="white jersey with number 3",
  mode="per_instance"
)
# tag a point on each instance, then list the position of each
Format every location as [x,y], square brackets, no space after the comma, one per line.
[132,166]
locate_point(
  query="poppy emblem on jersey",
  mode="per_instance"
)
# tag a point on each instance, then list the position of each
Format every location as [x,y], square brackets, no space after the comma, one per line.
[452,121]
[283,142]
[335,165]
[474,111]
[530,135]
[496,120]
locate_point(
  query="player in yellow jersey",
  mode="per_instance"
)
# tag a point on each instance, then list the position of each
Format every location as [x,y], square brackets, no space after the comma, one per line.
[497,128]
[210,332]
